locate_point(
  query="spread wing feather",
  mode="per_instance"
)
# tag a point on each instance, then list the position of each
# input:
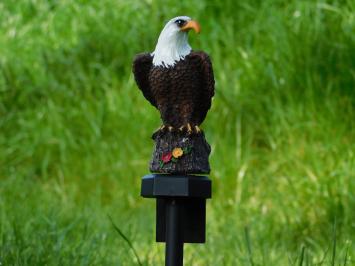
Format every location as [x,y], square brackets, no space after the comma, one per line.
[142,65]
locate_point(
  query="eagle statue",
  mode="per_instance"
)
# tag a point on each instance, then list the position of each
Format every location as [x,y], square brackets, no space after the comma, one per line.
[175,79]
[179,82]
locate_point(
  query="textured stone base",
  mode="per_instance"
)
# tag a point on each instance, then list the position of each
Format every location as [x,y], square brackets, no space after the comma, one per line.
[195,161]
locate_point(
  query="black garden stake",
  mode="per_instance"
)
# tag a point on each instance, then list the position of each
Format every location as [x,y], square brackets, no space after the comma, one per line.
[179,82]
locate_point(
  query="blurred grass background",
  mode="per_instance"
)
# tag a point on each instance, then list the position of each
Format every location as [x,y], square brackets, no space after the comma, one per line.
[75,131]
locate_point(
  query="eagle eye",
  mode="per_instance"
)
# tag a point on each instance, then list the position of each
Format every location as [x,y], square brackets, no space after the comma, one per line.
[180,22]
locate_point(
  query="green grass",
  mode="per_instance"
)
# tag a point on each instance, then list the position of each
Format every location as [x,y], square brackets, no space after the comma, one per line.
[75,132]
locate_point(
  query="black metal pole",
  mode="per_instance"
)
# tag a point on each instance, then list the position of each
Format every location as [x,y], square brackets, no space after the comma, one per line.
[174,250]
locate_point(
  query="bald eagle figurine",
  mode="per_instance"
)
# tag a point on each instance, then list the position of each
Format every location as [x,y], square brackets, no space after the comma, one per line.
[179,82]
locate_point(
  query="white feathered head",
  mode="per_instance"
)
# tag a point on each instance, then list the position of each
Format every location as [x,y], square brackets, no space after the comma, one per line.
[173,43]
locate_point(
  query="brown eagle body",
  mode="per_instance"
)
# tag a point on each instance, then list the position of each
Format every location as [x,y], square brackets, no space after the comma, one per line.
[182,93]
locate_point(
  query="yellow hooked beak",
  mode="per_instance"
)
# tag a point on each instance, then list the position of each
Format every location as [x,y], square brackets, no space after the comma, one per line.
[192,24]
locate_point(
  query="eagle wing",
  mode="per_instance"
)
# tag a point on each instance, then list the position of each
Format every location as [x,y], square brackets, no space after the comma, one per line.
[207,87]
[142,65]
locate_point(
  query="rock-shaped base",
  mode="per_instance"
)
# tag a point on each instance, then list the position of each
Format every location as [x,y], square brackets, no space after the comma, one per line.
[179,153]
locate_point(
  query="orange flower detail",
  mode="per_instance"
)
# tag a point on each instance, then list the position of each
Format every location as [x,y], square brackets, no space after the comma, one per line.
[177,152]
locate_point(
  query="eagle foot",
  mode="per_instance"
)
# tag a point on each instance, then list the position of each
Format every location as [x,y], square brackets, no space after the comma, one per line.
[186,128]
[190,129]
[163,129]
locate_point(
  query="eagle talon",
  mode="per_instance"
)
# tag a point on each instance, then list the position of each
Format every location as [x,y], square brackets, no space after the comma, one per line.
[161,129]
[197,129]
[189,129]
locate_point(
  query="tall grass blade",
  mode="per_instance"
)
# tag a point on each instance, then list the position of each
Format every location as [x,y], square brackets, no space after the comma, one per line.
[302,255]
[247,241]
[125,238]
[334,242]
[346,256]
[324,256]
